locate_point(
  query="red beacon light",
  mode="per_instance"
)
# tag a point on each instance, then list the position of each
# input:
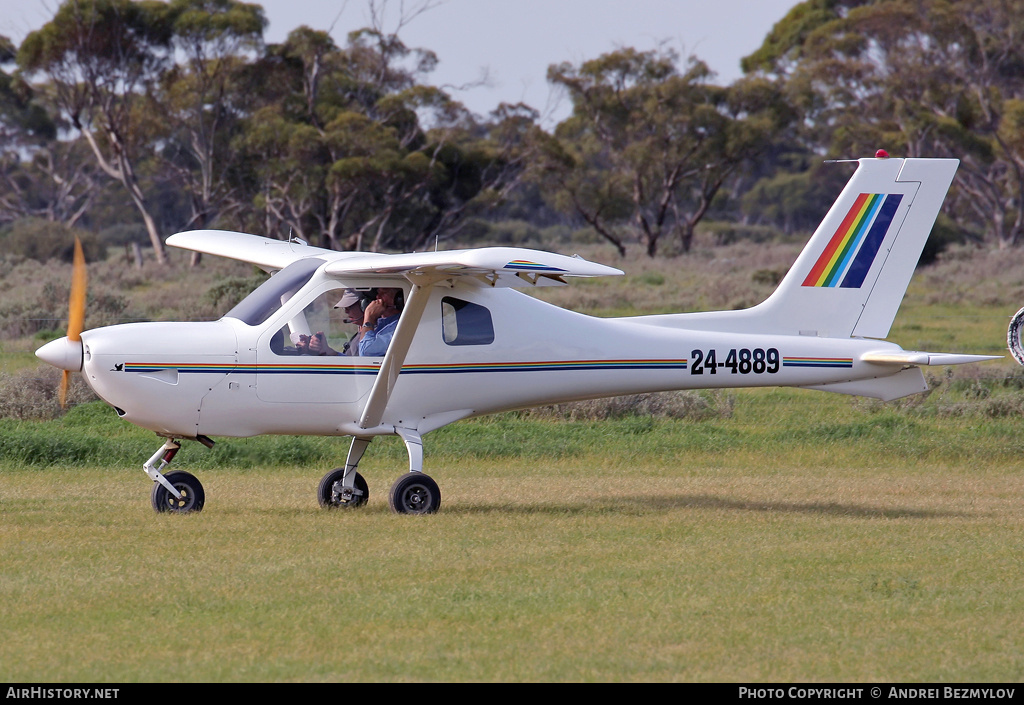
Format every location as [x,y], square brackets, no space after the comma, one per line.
[881,154]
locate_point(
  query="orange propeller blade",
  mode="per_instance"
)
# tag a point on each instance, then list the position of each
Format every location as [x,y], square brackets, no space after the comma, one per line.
[76,302]
[76,311]
[63,394]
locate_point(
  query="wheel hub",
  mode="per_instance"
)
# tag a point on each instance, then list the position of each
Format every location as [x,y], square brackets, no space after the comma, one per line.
[343,495]
[184,501]
[416,497]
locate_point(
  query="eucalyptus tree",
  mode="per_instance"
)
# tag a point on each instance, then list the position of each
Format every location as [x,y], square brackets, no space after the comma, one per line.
[100,59]
[332,149]
[648,146]
[922,77]
[57,181]
[24,122]
[354,149]
[25,131]
[203,97]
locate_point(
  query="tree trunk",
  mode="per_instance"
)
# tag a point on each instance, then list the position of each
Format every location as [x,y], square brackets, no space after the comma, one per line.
[137,254]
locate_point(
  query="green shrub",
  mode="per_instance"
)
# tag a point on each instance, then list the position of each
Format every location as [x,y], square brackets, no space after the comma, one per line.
[728,233]
[225,294]
[695,406]
[43,240]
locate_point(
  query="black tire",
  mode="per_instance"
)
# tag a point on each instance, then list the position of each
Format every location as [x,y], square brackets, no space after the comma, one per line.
[1015,336]
[193,495]
[415,493]
[331,497]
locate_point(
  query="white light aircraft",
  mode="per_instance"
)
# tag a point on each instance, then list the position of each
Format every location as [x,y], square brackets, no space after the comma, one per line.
[468,344]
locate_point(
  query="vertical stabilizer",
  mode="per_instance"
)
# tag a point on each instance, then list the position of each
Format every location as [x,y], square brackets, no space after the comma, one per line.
[851,277]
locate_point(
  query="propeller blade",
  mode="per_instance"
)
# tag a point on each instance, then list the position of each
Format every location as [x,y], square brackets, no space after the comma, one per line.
[76,311]
[63,393]
[76,302]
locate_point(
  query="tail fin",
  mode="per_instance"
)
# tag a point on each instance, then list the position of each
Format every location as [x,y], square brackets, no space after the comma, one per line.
[851,277]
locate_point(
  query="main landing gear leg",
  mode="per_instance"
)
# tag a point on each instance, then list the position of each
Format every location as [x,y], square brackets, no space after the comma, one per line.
[177,491]
[414,492]
[344,487]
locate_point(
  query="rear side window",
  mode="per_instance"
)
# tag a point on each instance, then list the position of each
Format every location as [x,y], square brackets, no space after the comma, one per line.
[465,323]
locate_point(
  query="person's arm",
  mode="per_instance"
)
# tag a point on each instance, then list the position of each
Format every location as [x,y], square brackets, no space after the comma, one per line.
[369,345]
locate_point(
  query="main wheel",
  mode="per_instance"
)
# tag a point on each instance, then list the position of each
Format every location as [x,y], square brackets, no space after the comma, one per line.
[415,493]
[332,494]
[192,495]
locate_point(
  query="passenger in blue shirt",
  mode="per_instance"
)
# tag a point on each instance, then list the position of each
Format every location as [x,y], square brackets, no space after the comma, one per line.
[380,319]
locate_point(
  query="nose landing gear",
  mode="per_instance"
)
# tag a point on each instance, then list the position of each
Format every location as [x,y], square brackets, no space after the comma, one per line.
[178,491]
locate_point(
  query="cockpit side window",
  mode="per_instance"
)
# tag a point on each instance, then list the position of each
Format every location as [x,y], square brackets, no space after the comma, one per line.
[323,319]
[258,306]
[465,323]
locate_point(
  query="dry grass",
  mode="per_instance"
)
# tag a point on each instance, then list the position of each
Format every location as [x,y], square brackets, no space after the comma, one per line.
[34,295]
[976,277]
[695,406]
[733,276]
[749,561]
[33,393]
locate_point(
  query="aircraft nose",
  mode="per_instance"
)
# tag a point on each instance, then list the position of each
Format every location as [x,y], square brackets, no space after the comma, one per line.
[63,353]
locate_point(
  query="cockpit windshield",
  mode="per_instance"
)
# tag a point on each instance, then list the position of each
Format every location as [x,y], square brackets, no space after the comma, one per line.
[258,306]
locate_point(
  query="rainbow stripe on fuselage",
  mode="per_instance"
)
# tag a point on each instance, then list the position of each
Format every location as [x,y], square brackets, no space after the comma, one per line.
[848,256]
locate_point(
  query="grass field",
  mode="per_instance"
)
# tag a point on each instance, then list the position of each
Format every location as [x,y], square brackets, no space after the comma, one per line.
[807,537]
[788,536]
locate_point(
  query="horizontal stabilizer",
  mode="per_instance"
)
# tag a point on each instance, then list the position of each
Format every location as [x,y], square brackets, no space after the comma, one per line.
[912,357]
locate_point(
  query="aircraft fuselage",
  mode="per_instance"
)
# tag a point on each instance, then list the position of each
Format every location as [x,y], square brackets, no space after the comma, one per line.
[224,378]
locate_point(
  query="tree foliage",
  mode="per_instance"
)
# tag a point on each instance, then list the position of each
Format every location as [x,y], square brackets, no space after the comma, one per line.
[189,112]
[162,115]
[648,147]
[921,77]
[100,57]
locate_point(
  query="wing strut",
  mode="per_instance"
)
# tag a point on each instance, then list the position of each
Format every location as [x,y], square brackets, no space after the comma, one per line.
[391,367]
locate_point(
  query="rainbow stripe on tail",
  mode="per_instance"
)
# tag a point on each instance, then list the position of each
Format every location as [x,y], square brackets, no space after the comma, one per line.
[850,253]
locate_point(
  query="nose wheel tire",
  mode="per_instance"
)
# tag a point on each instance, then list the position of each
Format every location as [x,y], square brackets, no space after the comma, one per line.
[192,495]
[415,493]
[333,495]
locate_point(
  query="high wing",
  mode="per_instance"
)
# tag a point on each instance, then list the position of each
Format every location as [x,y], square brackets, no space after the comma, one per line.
[492,266]
[486,266]
[269,255]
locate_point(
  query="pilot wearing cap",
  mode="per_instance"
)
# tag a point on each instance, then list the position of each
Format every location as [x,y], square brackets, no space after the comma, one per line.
[352,303]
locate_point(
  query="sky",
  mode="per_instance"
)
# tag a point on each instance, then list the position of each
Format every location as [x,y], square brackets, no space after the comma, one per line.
[512,42]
